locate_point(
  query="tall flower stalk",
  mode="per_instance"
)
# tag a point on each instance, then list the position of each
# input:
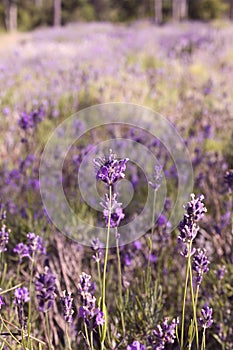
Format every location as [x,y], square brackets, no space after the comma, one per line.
[195,210]
[155,184]
[109,170]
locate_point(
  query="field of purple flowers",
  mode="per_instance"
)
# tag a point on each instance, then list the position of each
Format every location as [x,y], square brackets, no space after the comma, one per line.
[167,289]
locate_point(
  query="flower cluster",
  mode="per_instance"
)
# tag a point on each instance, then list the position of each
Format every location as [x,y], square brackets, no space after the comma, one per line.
[4,236]
[200,264]
[32,119]
[96,247]
[34,245]
[67,301]
[228,178]
[92,315]
[136,346]
[110,169]
[114,208]
[2,302]
[195,210]
[163,334]
[45,287]
[21,297]
[206,320]
[156,178]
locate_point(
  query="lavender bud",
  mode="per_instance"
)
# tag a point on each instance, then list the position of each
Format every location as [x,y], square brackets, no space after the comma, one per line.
[114,208]
[206,320]
[164,333]
[136,346]
[4,236]
[200,264]
[109,169]
[45,287]
[67,306]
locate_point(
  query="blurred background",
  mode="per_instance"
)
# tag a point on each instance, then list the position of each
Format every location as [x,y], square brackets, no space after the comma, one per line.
[29,14]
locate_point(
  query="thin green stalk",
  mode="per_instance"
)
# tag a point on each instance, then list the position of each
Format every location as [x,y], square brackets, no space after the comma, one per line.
[91,337]
[193,302]
[98,270]
[87,335]
[184,303]
[150,240]
[67,336]
[120,283]
[203,340]
[30,300]
[105,270]
[48,330]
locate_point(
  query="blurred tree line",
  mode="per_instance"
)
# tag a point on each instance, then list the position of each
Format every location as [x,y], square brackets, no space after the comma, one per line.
[28,14]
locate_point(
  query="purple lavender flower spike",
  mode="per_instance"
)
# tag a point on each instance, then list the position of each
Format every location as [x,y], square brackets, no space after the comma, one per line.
[188,228]
[228,178]
[21,297]
[4,236]
[136,346]
[221,272]
[36,243]
[164,333]
[156,178]
[67,302]
[110,169]
[22,250]
[2,302]
[206,320]
[45,287]
[92,315]
[116,211]
[200,264]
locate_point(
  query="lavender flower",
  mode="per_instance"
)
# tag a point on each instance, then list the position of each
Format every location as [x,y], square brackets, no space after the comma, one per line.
[30,120]
[109,169]
[228,178]
[206,320]
[22,250]
[67,306]
[156,178]
[21,297]
[163,334]
[45,287]
[195,210]
[136,346]
[96,247]
[221,272]
[200,264]
[1,302]
[92,315]
[34,245]
[4,236]
[115,209]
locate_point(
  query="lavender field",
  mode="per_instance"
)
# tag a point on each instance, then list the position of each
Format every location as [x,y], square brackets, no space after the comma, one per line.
[112,287]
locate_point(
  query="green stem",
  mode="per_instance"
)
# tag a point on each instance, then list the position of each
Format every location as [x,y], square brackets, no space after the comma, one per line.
[30,300]
[193,301]
[67,336]
[98,270]
[48,330]
[184,302]
[120,282]
[105,269]
[150,242]
[203,340]
[87,335]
